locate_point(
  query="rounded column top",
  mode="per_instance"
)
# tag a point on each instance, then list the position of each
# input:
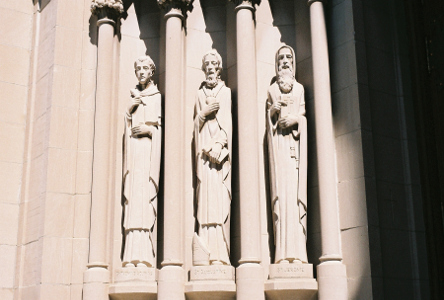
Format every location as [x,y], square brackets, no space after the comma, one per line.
[248,4]
[310,2]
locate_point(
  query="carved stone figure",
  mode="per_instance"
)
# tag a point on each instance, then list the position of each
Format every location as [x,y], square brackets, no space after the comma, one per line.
[287,148]
[212,137]
[141,167]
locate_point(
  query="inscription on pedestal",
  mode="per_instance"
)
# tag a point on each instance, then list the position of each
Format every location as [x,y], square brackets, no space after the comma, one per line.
[291,271]
[212,273]
[135,274]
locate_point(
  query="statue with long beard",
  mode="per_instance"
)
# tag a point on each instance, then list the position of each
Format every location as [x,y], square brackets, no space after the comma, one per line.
[287,148]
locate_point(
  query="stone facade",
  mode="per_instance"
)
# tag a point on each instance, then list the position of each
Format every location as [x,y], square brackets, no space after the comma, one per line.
[66,67]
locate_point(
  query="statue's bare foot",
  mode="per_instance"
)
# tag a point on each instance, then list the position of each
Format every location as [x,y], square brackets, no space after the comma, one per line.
[216,263]
[284,261]
[129,265]
[296,261]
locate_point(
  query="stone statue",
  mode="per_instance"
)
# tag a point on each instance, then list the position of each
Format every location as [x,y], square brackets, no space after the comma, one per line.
[141,167]
[287,148]
[212,137]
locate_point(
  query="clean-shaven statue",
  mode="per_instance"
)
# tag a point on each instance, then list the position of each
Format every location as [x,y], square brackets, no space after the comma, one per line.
[287,147]
[141,167]
[212,137]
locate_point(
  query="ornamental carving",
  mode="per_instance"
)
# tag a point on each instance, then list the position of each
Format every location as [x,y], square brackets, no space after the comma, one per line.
[183,4]
[97,5]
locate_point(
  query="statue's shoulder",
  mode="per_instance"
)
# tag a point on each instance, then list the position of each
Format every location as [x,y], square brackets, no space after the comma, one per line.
[273,90]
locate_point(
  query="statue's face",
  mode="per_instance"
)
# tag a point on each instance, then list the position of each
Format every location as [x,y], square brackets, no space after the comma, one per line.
[143,72]
[211,66]
[285,60]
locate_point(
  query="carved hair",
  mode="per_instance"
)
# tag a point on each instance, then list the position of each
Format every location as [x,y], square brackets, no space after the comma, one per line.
[218,57]
[144,58]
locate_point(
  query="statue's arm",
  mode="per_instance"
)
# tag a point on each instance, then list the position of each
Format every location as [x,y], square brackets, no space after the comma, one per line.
[199,119]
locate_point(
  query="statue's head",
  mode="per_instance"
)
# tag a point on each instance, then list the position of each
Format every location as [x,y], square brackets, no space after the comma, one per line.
[212,66]
[285,61]
[144,68]
[285,68]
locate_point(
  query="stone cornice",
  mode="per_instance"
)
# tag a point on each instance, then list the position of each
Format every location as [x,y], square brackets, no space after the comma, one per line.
[183,5]
[107,8]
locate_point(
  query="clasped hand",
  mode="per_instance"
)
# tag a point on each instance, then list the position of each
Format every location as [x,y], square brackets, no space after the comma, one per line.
[287,121]
[215,152]
[209,109]
[133,104]
[142,130]
[276,107]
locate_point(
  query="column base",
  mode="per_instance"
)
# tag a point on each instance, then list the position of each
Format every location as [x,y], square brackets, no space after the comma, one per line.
[170,285]
[291,289]
[211,289]
[250,282]
[332,280]
[96,283]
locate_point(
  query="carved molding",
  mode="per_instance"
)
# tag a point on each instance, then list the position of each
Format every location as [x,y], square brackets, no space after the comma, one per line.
[107,8]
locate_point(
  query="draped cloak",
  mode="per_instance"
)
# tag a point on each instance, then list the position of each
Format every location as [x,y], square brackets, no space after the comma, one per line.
[287,150]
[213,189]
[141,167]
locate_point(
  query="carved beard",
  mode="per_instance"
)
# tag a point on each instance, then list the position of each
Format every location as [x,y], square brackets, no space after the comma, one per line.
[285,80]
[212,80]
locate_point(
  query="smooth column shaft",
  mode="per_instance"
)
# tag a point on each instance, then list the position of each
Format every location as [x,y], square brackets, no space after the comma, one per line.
[248,136]
[249,275]
[102,137]
[332,277]
[173,147]
[97,277]
[172,276]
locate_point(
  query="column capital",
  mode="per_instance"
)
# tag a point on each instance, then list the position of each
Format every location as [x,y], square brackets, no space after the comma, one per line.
[175,5]
[107,9]
[310,2]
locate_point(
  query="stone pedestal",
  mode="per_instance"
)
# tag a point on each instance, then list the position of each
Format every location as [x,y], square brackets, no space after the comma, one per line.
[291,281]
[134,283]
[291,271]
[211,282]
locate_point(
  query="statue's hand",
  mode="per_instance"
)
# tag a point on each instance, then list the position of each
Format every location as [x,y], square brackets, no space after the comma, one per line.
[215,152]
[275,108]
[133,104]
[209,109]
[142,130]
[288,121]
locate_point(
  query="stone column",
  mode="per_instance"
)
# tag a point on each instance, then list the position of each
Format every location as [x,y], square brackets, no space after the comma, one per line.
[331,272]
[97,276]
[250,274]
[172,275]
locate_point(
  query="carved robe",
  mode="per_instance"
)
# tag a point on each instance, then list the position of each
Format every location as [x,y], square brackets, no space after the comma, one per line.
[213,186]
[141,165]
[288,174]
